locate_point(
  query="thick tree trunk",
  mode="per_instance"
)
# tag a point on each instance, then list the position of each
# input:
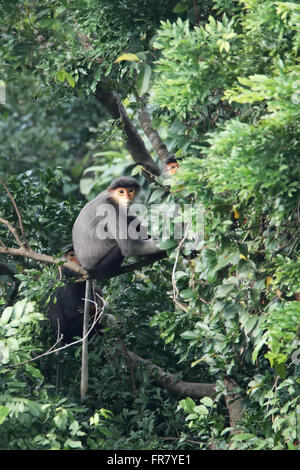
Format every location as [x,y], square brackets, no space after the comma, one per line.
[234,403]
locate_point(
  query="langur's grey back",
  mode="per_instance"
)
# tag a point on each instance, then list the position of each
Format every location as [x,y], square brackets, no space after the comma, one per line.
[87,244]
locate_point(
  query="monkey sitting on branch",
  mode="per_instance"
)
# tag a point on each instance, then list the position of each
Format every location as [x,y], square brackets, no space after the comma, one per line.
[103,231]
[65,310]
[102,239]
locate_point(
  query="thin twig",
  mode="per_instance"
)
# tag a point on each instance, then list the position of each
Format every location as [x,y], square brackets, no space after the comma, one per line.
[13,231]
[17,211]
[129,365]
[175,289]
[154,177]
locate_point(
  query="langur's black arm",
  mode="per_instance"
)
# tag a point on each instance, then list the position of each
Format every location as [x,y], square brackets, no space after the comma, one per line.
[140,264]
[137,247]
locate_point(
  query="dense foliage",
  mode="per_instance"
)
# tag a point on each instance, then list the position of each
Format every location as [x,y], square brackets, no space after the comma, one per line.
[223,83]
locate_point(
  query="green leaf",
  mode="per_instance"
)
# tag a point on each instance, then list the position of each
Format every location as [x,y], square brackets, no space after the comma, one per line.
[189,335]
[243,436]
[61,75]
[201,410]
[250,324]
[34,372]
[280,369]
[6,315]
[224,290]
[156,195]
[258,345]
[128,57]
[73,444]
[137,170]
[207,401]
[143,80]
[3,413]
[106,413]
[188,404]
[245,269]
[167,244]
[180,7]
[187,294]
[180,275]
[194,363]
[70,79]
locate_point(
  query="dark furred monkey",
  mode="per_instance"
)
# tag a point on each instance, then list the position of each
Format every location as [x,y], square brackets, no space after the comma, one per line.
[65,310]
[100,233]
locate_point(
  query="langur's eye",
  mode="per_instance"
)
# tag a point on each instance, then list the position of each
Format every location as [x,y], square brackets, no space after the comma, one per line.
[130,190]
[121,191]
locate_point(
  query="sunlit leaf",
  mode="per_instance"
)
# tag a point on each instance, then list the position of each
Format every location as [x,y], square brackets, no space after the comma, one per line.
[127,57]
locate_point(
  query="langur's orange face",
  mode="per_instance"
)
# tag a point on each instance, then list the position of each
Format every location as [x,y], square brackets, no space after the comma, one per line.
[172,168]
[123,196]
[70,255]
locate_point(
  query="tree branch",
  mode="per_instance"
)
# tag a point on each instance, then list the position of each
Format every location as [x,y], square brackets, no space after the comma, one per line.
[170,381]
[155,140]
[12,230]
[175,289]
[17,212]
[134,142]
[27,253]
[234,403]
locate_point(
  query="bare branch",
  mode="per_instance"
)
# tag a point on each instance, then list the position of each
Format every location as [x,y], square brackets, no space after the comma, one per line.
[170,381]
[27,253]
[134,142]
[175,289]
[17,211]
[76,268]
[12,230]
[154,137]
